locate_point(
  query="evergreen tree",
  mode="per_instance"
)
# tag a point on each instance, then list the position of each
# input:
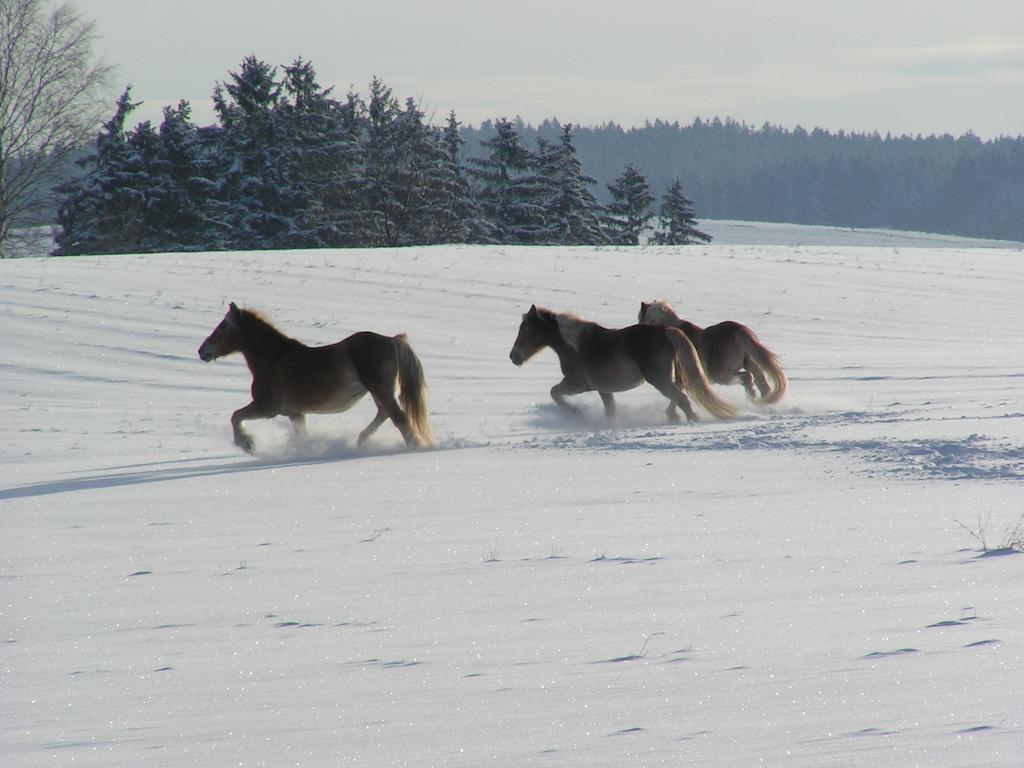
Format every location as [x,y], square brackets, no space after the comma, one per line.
[630,209]
[181,208]
[572,213]
[442,209]
[509,192]
[381,151]
[421,178]
[102,210]
[320,162]
[405,172]
[677,219]
[251,180]
[459,217]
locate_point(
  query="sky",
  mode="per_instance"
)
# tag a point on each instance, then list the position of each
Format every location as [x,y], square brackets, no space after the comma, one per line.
[900,66]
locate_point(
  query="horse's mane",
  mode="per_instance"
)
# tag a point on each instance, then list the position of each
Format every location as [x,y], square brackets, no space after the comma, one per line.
[255,323]
[570,326]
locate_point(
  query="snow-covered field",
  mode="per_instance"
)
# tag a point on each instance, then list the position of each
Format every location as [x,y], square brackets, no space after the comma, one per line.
[787,589]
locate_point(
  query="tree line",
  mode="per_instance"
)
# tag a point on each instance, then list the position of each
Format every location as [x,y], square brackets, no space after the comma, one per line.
[957,185]
[290,166]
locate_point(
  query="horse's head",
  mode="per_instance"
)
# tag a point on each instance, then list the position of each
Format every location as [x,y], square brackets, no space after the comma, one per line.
[658,312]
[533,336]
[226,337]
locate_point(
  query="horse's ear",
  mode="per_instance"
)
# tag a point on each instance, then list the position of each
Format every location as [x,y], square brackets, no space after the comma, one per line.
[533,310]
[643,306]
[234,313]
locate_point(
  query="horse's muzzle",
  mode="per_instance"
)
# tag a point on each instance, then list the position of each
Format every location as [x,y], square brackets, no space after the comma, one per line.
[515,357]
[205,354]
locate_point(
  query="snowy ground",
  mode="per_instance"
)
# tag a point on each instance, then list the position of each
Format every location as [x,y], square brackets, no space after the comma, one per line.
[789,588]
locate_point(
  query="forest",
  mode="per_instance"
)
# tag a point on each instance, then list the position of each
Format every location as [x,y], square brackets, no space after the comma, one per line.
[951,185]
[290,165]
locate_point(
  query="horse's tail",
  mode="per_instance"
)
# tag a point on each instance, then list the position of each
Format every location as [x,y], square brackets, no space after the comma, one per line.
[413,391]
[690,373]
[768,362]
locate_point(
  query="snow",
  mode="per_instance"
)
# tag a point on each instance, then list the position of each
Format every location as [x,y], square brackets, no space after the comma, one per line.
[788,588]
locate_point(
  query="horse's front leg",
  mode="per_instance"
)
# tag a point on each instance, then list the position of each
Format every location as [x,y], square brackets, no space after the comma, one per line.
[299,424]
[563,388]
[242,438]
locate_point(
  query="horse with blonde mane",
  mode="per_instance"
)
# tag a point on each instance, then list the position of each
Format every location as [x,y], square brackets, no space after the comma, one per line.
[608,360]
[728,351]
[291,379]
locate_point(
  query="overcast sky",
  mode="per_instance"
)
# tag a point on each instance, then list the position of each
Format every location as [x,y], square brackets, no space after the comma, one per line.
[900,66]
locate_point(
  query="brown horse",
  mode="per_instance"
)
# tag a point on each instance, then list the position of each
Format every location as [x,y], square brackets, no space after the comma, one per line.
[615,360]
[728,350]
[291,379]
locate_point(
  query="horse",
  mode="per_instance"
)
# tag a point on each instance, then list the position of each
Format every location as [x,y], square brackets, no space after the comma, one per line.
[615,360]
[291,379]
[728,350]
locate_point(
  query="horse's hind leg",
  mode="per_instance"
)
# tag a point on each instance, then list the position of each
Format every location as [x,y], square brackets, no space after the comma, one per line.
[676,396]
[748,383]
[759,378]
[299,424]
[388,408]
[609,405]
[673,416]
[242,438]
[372,427]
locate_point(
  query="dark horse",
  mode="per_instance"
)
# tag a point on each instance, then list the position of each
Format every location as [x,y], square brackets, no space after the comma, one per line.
[597,358]
[728,351]
[291,379]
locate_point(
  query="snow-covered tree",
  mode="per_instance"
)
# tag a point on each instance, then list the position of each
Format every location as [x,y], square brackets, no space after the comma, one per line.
[251,178]
[678,224]
[460,219]
[143,190]
[509,191]
[102,210]
[182,212]
[320,162]
[630,209]
[381,151]
[572,213]
[421,177]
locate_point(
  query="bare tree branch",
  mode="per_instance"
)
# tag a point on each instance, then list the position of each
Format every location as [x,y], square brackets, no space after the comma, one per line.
[51,95]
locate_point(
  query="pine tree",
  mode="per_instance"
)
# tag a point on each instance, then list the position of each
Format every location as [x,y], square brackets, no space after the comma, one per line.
[441,209]
[102,210]
[250,179]
[181,208]
[508,190]
[420,177]
[379,150]
[572,213]
[319,159]
[630,209]
[459,218]
[677,219]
